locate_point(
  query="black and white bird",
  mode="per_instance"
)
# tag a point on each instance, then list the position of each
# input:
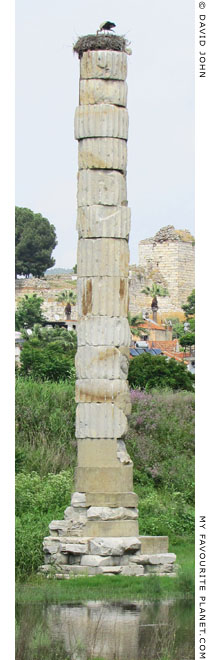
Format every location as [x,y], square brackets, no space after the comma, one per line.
[107,25]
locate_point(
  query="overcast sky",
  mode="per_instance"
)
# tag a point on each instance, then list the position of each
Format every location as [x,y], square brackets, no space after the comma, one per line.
[160,80]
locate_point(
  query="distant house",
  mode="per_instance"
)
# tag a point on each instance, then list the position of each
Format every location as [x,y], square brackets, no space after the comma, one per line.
[156,338]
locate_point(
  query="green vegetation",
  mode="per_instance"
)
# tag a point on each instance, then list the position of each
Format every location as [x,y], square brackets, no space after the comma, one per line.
[67,296]
[45,423]
[135,323]
[149,371]
[155,290]
[38,501]
[189,307]
[29,312]
[48,354]
[35,239]
[185,335]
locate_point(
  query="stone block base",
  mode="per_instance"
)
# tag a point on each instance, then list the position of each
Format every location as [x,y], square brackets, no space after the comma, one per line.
[66,557]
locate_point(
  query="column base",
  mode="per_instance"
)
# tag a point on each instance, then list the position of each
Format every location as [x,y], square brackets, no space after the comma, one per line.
[66,557]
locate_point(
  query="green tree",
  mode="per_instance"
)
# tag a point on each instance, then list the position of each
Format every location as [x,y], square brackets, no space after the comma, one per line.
[48,354]
[155,290]
[148,371]
[67,296]
[189,307]
[135,323]
[29,312]
[35,239]
[187,339]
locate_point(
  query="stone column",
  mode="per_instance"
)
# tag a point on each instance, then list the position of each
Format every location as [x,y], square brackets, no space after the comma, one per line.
[105,471]
[100,532]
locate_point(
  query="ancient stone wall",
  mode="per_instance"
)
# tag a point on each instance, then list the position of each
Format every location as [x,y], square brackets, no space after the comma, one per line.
[167,259]
[48,288]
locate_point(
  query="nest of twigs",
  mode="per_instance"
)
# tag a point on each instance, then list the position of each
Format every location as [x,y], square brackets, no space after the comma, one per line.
[100,42]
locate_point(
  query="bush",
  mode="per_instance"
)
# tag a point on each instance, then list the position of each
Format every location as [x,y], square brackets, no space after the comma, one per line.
[149,371]
[49,355]
[29,312]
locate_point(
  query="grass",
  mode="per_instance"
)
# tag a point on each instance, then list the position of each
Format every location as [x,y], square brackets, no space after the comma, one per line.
[114,588]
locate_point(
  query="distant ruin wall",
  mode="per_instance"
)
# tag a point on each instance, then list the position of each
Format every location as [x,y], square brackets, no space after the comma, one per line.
[48,288]
[166,259]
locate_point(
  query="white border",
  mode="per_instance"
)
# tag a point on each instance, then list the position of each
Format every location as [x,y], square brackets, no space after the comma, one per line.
[202,234]
[7,45]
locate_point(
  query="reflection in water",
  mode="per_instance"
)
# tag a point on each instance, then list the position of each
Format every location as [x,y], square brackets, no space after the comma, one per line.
[138,631]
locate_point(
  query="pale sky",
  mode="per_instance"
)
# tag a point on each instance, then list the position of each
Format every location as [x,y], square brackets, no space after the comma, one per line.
[160,176]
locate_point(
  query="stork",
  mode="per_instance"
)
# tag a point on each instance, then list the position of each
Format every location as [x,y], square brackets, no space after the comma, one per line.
[107,25]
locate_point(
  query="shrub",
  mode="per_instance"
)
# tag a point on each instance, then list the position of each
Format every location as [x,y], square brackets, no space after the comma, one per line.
[29,312]
[149,371]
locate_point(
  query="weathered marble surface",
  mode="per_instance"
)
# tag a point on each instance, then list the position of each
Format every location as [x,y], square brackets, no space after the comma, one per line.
[103,91]
[107,187]
[103,331]
[104,120]
[106,362]
[102,296]
[102,257]
[100,420]
[102,153]
[98,221]
[103,64]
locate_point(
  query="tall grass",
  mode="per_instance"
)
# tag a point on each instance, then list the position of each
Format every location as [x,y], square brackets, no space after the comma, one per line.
[45,426]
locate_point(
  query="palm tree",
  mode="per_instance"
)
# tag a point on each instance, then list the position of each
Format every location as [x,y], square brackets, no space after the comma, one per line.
[69,297]
[155,290]
[134,323]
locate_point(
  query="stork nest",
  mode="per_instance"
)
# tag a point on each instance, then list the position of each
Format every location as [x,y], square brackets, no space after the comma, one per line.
[100,42]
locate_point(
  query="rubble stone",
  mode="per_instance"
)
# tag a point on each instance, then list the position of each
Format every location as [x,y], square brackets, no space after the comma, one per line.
[78,499]
[96,560]
[74,548]
[109,513]
[132,570]
[114,546]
